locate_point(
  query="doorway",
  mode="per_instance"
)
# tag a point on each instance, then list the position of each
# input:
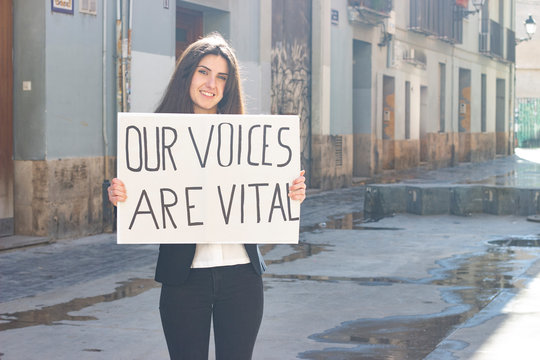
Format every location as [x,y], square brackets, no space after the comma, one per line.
[388,122]
[6,119]
[189,28]
[500,113]
[424,116]
[464,113]
[362,108]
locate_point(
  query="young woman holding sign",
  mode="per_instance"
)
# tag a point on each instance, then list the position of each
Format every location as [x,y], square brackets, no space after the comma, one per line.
[201,282]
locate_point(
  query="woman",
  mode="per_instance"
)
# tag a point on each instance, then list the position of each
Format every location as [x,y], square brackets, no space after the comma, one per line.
[209,281]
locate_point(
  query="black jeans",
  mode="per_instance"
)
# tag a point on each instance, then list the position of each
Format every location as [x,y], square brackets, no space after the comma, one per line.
[231,295]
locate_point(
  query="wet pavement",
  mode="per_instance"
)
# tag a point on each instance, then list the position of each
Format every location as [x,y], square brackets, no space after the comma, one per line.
[405,287]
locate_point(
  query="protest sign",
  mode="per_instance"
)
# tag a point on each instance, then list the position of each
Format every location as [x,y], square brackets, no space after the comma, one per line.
[195,178]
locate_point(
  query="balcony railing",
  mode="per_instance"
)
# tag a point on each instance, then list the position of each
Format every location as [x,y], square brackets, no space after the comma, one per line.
[369,11]
[491,39]
[380,6]
[436,18]
[496,38]
[510,45]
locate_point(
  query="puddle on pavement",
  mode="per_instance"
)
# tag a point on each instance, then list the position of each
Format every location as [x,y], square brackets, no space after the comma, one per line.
[302,250]
[518,241]
[364,281]
[468,285]
[508,179]
[351,221]
[54,314]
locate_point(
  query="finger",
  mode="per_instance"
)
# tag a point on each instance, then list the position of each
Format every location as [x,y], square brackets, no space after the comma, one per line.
[117,181]
[116,195]
[111,196]
[118,189]
[300,197]
[297,186]
[296,194]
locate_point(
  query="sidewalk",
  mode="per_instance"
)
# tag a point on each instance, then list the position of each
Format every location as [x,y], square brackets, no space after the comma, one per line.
[405,287]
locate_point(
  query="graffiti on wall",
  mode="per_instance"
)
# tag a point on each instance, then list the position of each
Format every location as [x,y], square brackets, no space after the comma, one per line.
[290,92]
[291,67]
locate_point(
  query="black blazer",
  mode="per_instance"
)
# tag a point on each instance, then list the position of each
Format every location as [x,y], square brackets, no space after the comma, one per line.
[174,262]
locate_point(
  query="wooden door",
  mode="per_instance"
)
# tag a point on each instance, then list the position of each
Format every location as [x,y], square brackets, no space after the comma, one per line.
[189,28]
[6,118]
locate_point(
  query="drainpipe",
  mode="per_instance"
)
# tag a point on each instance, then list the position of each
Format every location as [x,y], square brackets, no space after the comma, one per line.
[104,94]
[119,94]
[455,157]
[128,60]
[124,52]
[107,212]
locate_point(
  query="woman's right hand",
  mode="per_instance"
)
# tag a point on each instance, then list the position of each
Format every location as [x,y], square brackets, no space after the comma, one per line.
[117,191]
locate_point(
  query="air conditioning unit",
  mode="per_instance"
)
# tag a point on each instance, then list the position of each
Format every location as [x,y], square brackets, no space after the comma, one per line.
[415,57]
[408,54]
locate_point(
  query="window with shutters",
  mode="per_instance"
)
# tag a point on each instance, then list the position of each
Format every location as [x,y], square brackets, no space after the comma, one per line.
[436,18]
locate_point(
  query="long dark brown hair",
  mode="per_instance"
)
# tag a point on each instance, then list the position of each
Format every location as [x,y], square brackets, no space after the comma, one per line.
[177,98]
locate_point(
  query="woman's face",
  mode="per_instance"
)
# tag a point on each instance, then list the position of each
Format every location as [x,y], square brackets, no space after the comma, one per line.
[208,84]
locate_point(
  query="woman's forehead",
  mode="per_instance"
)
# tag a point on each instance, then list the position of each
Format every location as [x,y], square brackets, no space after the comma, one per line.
[215,63]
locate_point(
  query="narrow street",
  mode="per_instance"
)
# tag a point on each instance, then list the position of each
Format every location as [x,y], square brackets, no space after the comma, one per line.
[405,287]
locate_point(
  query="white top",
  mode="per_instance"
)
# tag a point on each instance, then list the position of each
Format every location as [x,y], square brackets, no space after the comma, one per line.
[211,255]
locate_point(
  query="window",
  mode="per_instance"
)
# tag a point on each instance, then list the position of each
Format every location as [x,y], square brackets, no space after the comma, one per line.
[442,96]
[483,105]
[407,109]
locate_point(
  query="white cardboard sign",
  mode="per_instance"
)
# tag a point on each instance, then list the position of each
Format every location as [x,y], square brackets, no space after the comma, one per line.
[218,179]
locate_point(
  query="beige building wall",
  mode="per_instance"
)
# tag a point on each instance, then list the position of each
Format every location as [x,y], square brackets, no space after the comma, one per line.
[527,52]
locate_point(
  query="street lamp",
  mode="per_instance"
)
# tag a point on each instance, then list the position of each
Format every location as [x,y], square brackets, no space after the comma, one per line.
[530,29]
[464,13]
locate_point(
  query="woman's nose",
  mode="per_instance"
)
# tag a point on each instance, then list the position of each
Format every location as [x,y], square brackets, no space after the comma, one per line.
[210,82]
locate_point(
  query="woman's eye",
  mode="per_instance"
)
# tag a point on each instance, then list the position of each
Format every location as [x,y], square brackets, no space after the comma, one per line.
[222,77]
[202,71]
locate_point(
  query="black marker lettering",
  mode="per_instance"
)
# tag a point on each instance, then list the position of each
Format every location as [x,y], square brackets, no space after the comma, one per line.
[165,207]
[150,211]
[285,146]
[239,143]
[289,208]
[189,206]
[203,163]
[277,195]
[242,198]
[230,145]
[258,201]
[226,214]
[128,152]
[249,146]
[167,147]
[265,145]
[145,136]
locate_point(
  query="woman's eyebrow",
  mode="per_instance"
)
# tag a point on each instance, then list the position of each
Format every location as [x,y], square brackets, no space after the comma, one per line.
[207,68]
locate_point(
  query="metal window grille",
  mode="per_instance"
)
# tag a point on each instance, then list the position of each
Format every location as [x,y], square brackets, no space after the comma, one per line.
[339,150]
[528,122]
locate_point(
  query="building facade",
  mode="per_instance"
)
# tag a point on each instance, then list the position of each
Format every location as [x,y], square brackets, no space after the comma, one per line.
[378,85]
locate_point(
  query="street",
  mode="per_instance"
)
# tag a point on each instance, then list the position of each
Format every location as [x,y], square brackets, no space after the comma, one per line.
[404,287]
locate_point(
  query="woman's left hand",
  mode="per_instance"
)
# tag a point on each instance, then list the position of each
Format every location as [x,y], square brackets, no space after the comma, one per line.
[297,191]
